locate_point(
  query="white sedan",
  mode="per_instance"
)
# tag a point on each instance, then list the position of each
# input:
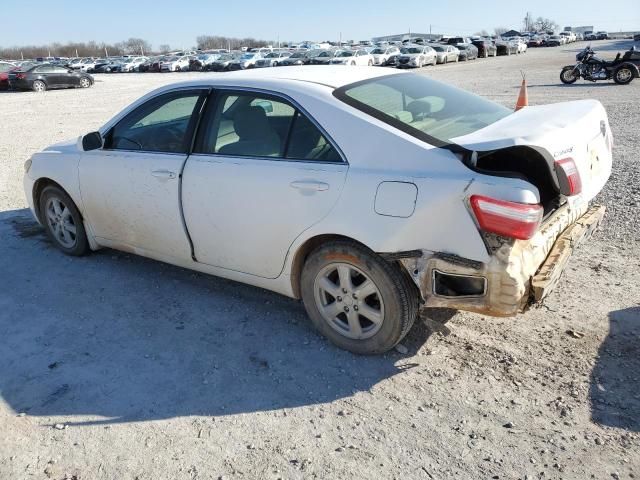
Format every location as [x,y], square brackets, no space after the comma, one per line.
[262,177]
[353,57]
[175,64]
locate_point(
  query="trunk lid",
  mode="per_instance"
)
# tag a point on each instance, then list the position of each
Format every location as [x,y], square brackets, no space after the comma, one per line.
[578,130]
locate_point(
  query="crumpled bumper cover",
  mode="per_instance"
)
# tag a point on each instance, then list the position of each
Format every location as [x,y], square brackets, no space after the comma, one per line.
[519,274]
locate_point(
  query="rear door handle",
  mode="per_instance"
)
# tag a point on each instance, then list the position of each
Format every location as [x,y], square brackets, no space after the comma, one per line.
[310,185]
[163,174]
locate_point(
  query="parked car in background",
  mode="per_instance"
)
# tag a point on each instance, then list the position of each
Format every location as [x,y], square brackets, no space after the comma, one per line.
[132,64]
[175,64]
[554,41]
[5,68]
[47,77]
[223,62]
[506,48]
[467,51]
[485,48]
[324,57]
[352,57]
[199,62]
[534,42]
[416,56]
[272,59]
[456,40]
[445,53]
[247,60]
[99,66]
[382,55]
[299,57]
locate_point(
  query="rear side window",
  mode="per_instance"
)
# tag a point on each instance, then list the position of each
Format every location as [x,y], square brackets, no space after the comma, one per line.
[246,124]
[162,124]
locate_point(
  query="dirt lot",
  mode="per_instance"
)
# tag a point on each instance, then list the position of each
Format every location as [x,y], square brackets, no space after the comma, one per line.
[116,367]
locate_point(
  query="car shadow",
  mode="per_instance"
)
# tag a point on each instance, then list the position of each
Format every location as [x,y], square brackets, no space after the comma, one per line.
[120,338]
[614,393]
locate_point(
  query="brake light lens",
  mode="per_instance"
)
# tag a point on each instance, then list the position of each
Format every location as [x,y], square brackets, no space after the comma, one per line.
[21,76]
[509,219]
[567,168]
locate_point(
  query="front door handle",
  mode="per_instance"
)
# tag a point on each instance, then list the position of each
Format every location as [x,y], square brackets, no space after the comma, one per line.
[310,185]
[163,174]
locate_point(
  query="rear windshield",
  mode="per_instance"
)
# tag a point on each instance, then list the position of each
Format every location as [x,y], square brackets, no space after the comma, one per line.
[422,107]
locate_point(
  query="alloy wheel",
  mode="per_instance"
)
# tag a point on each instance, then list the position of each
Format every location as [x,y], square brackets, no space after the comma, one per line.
[624,74]
[60,222]
[349,301]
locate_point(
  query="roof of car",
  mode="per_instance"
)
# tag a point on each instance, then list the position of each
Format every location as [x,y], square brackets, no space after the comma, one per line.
[331,76]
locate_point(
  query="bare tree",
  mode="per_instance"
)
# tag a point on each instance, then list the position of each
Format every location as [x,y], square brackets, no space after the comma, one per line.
[482,33]
[545,25]
[500,30]
[164,48]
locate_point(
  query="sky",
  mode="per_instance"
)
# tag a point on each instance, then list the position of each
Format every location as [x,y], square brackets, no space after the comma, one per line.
[179,23]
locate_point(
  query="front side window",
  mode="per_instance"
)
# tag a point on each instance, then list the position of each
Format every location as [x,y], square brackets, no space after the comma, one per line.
[252,125]
[422,107]
[163,124]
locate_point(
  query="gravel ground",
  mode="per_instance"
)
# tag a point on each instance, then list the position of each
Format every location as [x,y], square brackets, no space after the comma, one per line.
[117,367]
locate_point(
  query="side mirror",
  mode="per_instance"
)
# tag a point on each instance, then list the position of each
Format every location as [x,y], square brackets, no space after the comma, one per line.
[92,141]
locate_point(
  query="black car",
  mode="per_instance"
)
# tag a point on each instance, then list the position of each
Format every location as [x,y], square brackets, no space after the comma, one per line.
[467,52]
[298,58]
[485,49]
[46,77]
[506,48]
[222,64]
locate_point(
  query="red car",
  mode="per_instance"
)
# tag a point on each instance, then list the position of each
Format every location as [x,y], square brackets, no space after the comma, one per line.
[5,68]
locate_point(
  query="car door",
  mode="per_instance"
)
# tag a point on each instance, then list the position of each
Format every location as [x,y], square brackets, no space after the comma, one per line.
[63,78]
[262,173]
[131,187]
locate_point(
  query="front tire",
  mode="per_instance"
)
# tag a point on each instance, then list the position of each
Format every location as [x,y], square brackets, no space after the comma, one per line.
[356,299]
[62,221]
[623,75]
[39,86]
[568,76]
[85,83]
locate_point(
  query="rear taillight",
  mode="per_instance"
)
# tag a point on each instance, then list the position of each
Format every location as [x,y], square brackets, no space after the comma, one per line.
[509,219]
[21,76]
[569,176]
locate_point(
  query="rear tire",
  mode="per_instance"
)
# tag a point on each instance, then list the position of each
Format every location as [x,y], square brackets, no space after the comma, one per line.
[356,299]
[39,86]
[85,83]
[62,221]
[567,76]
[623,75]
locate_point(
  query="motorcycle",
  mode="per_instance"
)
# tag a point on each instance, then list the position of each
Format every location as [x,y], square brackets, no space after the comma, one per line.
[623,69]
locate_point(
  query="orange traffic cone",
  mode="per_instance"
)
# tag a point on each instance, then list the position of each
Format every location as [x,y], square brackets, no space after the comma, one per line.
[523,96]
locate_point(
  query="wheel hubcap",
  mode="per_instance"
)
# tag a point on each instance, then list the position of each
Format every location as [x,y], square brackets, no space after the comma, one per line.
[623,75]
[349,301]
[61,222]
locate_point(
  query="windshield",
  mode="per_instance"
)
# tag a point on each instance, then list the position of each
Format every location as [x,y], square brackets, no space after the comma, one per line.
[422,107]
[378,51]
[248,56]
[411,50]
[438,49]
[298,55]
[273,55]
[345,54]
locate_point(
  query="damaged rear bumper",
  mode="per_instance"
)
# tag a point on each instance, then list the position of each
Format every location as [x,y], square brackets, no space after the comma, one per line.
[519,273]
